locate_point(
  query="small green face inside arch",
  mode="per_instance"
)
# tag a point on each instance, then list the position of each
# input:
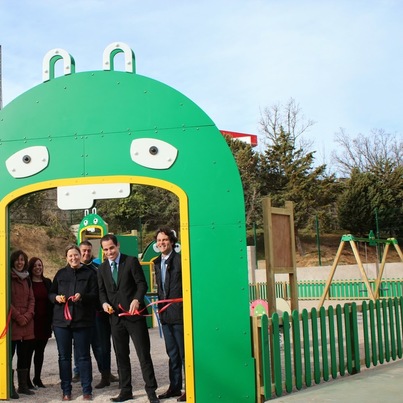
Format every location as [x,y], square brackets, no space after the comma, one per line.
[91,135]
[91,226]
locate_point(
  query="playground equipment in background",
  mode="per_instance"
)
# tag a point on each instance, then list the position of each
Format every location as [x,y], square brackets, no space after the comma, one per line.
[260,307]
[92,227]
[372,241]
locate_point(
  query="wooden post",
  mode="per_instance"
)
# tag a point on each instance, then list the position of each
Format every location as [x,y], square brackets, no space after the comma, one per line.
[279,244]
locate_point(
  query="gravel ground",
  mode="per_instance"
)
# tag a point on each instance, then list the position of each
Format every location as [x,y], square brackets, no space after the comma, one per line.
[50,376]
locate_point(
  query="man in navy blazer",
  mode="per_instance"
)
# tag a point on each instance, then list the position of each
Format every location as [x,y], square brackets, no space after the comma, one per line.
[126,295]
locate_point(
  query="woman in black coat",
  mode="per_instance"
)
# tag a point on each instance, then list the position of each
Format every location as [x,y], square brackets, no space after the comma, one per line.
[74,293]
[42,319]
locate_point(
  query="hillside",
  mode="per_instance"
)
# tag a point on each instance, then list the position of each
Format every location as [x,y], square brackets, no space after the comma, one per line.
[42,243]
[49,245]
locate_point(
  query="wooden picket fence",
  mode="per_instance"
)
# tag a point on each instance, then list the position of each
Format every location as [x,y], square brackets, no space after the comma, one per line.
[296,351]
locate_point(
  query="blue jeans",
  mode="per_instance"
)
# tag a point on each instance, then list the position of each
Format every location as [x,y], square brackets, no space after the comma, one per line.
[82,338]
[100,344]
[174,345]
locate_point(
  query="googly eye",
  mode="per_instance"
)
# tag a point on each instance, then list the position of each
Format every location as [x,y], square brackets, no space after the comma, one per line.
[95,221]
[85,222]
[28,161]
[153,153]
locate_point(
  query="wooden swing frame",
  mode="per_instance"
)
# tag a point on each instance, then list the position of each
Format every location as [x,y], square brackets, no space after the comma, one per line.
[373,295]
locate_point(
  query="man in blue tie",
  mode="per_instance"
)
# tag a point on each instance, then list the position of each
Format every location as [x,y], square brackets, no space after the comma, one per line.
[122,287]
[168,274]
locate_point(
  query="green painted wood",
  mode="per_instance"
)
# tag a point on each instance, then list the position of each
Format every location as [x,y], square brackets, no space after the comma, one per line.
[347,329]
[287,352]
[296,338]
[79,118]
[355,339]
[396,302]
[307,350]
[304,330]
[315,345]
[366,332]
[385,323]
[324,344]
[378,311]
[266,363]
[401,313]
[373,327]
[392,328]
[332,342]
[277,369]
[340,339]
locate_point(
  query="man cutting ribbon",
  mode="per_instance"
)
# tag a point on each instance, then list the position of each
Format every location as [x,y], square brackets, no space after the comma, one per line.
[168,274]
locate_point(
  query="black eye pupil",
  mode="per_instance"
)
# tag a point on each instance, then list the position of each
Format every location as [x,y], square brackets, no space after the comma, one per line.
[153,150]
[26,159]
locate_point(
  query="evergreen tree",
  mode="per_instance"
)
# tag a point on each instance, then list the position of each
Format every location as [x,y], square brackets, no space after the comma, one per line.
[290,175]
[369,195]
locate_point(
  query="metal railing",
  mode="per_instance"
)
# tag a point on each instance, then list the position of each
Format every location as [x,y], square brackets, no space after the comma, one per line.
[339,289]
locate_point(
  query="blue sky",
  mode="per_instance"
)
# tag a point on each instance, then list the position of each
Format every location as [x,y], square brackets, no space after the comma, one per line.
[342,61]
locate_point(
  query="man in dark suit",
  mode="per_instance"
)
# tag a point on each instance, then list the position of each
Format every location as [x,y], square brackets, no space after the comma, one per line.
[122,287]
[168,274]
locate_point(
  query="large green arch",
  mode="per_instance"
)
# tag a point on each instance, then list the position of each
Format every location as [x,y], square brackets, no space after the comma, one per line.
[82,127]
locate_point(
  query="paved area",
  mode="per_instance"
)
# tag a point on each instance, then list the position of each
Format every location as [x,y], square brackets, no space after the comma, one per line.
[383,383]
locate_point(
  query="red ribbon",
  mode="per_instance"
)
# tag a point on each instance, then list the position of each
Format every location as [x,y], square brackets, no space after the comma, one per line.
[162,301]
[5,330]
[67,314]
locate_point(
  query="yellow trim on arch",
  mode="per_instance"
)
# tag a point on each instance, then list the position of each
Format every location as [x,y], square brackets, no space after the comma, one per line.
[185,253]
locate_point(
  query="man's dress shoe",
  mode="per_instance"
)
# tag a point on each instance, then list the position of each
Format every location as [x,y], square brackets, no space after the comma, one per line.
[152,397]
[122,398]
[182,398]
[170,393]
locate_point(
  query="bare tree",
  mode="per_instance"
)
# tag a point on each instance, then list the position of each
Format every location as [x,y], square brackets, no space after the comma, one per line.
[377,152]
[288,117]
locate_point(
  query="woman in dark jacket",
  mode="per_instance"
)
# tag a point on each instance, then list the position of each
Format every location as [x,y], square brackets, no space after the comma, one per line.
[74,292]
[22,315]
[42,319]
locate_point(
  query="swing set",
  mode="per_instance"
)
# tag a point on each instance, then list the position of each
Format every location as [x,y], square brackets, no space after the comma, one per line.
[372,241]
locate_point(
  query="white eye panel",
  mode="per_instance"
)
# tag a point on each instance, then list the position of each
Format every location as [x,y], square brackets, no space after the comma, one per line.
[153,153]
[28,161]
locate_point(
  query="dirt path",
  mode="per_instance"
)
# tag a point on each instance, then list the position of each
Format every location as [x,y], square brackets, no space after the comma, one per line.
[53,393]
